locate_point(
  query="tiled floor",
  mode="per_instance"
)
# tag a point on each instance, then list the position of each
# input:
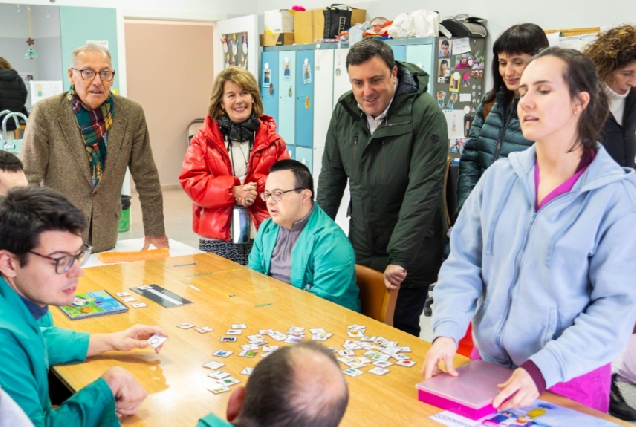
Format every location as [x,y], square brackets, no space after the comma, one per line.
[178,222]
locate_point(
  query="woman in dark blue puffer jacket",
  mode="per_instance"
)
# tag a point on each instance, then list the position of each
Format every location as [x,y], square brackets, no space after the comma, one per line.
[495,131]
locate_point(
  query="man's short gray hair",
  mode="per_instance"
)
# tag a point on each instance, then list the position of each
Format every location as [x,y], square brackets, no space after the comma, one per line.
[91,47]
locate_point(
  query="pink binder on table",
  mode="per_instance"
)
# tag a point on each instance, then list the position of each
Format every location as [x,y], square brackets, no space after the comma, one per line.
[470,394]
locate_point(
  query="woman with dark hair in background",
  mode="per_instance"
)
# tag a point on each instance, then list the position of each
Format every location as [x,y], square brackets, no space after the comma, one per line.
[544,252]
[13,92]
[495,131]
[614,54]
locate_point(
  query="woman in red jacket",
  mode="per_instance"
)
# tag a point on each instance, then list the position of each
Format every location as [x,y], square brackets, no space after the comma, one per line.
[227,163]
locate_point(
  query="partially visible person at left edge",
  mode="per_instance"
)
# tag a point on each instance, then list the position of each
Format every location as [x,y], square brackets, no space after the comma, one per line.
[13,92]
[300,244]
[41,253]
[81,142]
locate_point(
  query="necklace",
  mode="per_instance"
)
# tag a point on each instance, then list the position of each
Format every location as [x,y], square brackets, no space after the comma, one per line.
[230,150]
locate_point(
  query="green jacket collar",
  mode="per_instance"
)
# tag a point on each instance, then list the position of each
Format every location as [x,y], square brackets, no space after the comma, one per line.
[15,306]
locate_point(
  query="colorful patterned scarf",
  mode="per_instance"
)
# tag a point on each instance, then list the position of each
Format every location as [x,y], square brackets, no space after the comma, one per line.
[93,125]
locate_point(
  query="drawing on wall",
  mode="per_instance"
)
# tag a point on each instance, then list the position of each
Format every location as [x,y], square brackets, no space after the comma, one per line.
[306,72]
[444,71]
[479,59]
[267,76]
[287,70]
[441,96]
[235,49]
[454,82]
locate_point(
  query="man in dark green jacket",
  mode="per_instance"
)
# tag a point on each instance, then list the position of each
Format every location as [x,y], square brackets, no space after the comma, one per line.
[389,138]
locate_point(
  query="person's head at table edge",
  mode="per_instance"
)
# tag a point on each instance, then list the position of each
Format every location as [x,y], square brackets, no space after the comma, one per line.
[91,74]
[11,172]
[373,74]
[41,249]
[288,192]
[236,95]
[299,385]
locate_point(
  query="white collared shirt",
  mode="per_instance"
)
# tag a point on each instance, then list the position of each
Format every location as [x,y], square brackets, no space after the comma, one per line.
[375,123]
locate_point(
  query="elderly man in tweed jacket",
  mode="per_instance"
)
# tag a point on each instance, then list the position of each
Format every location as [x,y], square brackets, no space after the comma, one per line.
[81,142]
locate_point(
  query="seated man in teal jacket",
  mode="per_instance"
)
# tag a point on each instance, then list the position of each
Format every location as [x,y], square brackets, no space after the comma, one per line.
[300,244]
[295,386]
[41,251]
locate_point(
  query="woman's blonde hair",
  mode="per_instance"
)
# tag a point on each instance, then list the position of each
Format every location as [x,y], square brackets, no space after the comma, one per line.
[4,64]
[241,77]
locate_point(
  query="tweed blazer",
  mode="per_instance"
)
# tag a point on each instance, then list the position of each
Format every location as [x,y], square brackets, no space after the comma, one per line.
[54,155]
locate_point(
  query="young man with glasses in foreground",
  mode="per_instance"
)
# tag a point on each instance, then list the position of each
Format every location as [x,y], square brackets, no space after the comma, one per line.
[41,252]
[81,142]
[300,244]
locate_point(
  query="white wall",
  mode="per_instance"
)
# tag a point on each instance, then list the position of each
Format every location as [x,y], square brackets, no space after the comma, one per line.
[45,21]
[164,9]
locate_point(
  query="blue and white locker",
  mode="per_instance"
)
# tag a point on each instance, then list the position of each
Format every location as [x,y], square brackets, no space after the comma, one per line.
[304,99]
[287,95]
[269,84]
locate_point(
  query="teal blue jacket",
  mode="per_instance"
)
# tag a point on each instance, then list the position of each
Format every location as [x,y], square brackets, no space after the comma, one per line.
[212,420]
[323,261]
[27,349]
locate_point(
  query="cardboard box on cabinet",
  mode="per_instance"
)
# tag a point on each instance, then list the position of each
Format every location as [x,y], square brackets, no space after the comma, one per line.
[278,39]
[309,26]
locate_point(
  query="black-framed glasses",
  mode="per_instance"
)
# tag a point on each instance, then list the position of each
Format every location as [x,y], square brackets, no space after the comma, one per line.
[105,76]
[65,262]
[277,195]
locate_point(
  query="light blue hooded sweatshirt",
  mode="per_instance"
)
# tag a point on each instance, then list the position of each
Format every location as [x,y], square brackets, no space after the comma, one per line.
[555,286]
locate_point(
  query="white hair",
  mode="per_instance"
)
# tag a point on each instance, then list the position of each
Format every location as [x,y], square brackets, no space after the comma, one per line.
[91,47]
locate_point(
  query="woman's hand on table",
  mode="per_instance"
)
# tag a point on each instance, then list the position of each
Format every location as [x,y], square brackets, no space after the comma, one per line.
[443,349]
[520,390]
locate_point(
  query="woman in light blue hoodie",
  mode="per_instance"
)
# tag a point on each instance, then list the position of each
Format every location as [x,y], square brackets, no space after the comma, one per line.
[543,254]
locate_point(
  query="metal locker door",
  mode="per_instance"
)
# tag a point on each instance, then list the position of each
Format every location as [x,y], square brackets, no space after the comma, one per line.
[422,56]
[323,106]
[305,156]
[291,149]
[341,83]
[269,87]
[304,98]
[287,95]
[399,53]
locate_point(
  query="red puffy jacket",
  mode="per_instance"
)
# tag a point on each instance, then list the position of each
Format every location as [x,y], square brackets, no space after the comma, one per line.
[206,175]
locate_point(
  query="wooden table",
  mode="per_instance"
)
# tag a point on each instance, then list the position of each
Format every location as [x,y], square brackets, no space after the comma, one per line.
[177,383]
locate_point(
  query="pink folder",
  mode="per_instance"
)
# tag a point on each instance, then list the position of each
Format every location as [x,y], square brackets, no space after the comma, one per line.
[470,394]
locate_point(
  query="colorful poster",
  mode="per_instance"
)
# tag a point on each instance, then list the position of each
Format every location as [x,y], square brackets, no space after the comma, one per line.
[235,49]
[539,414]
[267,75]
